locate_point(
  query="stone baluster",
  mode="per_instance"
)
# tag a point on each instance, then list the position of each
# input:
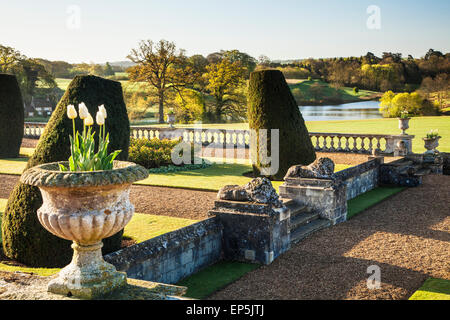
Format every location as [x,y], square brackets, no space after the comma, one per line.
[332,148]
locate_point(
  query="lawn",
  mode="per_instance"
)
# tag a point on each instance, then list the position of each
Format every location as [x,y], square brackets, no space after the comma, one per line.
[13,166]
[146,226]
[215,277]
[303,93]
[433,289]
[369,199]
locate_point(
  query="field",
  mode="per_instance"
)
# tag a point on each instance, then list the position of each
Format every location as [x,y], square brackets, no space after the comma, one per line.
[303,91]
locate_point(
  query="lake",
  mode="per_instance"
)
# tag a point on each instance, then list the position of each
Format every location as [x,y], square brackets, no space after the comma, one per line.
[348,111]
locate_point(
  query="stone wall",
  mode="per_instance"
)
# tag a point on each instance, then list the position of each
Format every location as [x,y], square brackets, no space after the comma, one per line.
[361,178]
[172,256]
[253,232]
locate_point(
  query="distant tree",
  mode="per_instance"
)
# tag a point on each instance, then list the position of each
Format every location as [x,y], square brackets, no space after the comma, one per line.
[8,58]
[162,67]
[392,105]
[433,53]
[247,61]
[264,61]
[215,57]
[108,70]
[30,73]
[224,78]
[370,58]
[440,86]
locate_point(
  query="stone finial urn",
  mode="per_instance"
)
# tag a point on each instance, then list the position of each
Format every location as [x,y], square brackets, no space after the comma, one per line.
[431,145]
[171,119]
[85,207]
[403,124]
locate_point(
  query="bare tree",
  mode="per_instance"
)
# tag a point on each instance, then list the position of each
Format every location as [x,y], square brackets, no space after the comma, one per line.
[162,66]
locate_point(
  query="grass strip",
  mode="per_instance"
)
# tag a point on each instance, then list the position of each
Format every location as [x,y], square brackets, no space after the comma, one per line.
[213,278]
[143,227]
[433,289]
[369,199]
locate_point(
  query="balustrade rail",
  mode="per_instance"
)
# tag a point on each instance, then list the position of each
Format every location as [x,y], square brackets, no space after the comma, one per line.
[323,142]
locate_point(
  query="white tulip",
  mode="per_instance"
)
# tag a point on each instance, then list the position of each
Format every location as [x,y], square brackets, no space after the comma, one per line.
[83,110]
[71,112]
[100,118]
[88,121]
[103,110]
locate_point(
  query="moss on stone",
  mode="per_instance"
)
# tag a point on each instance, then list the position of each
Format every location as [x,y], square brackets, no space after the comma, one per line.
[272,106]
[11,116]
[24,239]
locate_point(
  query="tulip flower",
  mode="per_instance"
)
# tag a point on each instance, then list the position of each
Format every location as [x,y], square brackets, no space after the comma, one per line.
[88,121]
[103,110]
[71,112]
[99,118]
[83,111]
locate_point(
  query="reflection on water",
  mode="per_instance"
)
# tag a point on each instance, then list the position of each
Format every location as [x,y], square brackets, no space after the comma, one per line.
[347,111]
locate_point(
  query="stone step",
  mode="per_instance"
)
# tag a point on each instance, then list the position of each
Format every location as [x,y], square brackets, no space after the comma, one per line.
[297,210]
[287,201]
[403,163]
[407,171]
[423,172]
[303,219]
[307,229]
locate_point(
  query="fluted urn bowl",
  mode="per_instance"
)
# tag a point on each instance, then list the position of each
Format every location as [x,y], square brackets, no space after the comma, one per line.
[85,207]
[431,145]
[403,124]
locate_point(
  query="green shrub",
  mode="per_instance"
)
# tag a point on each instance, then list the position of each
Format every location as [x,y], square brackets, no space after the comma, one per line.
[272,106]
[24,239]
[355,89]
[154,153]
[11,117]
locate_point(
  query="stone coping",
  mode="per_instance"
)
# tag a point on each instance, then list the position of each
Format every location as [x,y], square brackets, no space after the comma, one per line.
[357,170]
[49,175]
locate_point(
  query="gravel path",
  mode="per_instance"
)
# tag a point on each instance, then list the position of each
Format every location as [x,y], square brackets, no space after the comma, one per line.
[407,236]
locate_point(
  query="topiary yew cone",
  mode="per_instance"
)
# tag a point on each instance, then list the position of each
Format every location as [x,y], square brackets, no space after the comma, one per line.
[11,116]
[272,106]
[24,239]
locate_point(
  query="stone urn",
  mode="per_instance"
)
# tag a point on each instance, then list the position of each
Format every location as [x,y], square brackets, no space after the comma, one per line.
[171,119]
[403,124]
[431,144]
[85,207]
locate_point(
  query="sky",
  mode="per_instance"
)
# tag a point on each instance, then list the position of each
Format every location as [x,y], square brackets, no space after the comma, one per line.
[99,30]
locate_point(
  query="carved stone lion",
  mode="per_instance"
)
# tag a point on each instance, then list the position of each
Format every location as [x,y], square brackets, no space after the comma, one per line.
[321,168]
[259,190]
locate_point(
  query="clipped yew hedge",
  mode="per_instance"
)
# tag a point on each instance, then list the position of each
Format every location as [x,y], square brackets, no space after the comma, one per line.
[11,116]
[272,106]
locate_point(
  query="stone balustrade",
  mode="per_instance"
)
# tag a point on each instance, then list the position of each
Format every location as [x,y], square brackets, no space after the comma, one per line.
[33,130]
[323,142]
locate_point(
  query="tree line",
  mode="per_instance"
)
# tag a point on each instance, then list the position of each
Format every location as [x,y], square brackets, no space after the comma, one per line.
[213,88]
